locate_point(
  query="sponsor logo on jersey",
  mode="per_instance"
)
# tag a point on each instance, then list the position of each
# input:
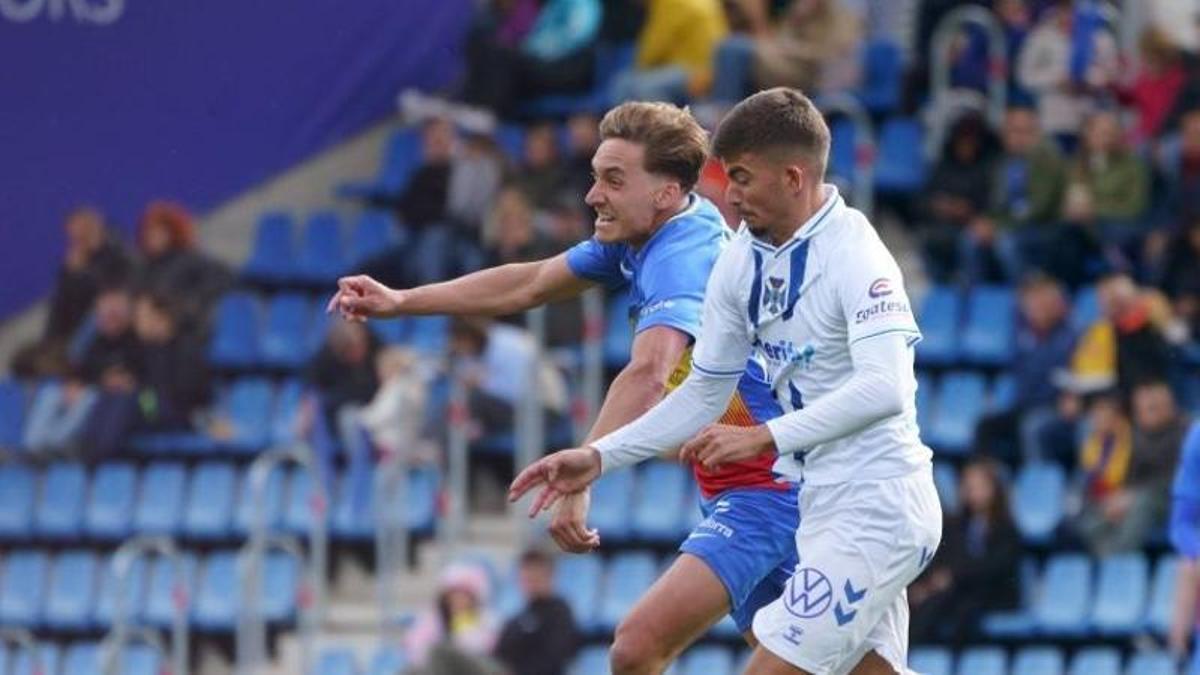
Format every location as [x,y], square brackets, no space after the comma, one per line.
[879,309]
[880,287]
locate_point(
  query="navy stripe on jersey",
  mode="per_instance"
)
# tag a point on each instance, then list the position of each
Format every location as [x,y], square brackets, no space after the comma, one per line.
[756,289]
[796,280]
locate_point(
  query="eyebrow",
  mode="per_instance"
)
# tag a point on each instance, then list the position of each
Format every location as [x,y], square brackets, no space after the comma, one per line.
[608,170]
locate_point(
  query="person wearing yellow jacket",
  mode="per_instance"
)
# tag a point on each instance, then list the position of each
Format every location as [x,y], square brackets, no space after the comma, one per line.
[674,60]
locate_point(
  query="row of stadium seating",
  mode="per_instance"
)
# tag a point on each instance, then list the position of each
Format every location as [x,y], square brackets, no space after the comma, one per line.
[317,254]
[208,502]
[75,590]
[78,658]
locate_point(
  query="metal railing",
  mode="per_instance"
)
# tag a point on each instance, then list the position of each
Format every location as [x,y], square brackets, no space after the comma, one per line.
[944,35]
[530,414]
[251,625]
[121,632]
[390,510]
[864,147]
[592,366]
[23,640]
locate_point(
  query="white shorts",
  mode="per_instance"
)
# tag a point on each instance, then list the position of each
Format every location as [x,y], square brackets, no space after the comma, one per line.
[860,544]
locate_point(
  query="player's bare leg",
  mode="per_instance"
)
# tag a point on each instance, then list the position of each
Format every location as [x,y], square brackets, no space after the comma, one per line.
[685,601]
[766,663]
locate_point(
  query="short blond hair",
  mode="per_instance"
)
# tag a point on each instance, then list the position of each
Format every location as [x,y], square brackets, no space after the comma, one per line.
[675,144]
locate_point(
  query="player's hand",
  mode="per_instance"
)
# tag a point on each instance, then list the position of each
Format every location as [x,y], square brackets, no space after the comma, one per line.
[569,528]
[360,297]
[720,444]
[561,473]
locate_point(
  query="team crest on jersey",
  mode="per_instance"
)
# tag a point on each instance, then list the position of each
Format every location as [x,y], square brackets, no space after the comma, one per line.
[774,295]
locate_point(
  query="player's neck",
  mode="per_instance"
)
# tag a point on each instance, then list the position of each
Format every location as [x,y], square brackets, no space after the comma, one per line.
[661,219]
[805,208]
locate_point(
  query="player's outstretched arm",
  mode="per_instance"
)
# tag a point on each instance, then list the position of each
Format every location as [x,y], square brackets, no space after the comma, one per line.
[506,289]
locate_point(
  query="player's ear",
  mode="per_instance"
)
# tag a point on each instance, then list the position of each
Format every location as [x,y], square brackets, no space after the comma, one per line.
[794,176]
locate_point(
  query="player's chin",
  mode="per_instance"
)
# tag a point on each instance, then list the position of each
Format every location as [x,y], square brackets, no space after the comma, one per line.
[607,231]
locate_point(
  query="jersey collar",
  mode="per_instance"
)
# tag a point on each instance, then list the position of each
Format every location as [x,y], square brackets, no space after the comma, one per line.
[692,206]
[832,205]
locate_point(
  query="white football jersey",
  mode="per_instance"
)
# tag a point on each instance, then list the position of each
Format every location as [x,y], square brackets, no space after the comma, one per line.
[797,308]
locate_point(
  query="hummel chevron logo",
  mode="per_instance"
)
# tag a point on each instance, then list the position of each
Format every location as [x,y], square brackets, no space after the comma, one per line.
[843,617]
[853,596]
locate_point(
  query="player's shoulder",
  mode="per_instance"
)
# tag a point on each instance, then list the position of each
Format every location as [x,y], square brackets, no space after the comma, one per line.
[698,225]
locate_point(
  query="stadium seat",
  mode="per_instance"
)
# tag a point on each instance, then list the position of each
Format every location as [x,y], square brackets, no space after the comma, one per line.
[1122,584]
[285,332]
[164,589]
[109,513]
[842,164]
[401,156]
[71,592]
[1151,663]
[1162,595]
[106,597]
[388,660]
[353,514]
[577,579]
[707,660]
[216,595]
[883,76]
[591,661]
[939,315]
[1038,661]
[1038,500]
[983,661]
[281,584]
[900,167]
[298,509]
[627,577]
[429,335]
[272,503]
[160,501]
[84,658]
[18,485]
[1096,661]
[946,480]
[273,256]
[374,232]
[12,413]
[393,331]
[931,661]
[208,510]
[658,502]
[988,338]
[322,251]
[285,416]
[247,405]
[959,405]
[1003,395]
[611,505]
[59,511]
[50,655]
[22,588]
[1066,591]
[336,661]
[235,332]
[618,332]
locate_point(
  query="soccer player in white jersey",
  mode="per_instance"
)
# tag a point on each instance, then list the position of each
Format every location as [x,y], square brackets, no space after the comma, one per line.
[809,288]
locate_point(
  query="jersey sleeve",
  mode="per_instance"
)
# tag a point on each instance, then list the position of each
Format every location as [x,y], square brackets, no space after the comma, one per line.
[672,282]
[594,261]
[724,343]
[1185,505]
[872,294]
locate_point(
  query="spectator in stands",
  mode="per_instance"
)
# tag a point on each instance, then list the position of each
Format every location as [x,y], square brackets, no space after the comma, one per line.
[958,193]
[396,414]
[1129,491]
[568,225]
[424,199]
[343,374]
[583,137]
[1141,326]
[1181,169]
[1069,59]
[1104,457]
[172,266]
[1155,87]
[455,636]
[543,176]
[975,569]
[1027,184]
[1045,339]
[475,177]
[1177,273]
[1109,186]
[94,259]
[543,638]
[511,232]
[173,375]
[674,52]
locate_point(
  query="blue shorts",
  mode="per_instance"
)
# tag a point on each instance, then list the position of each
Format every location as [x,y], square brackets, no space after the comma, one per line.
[748,538]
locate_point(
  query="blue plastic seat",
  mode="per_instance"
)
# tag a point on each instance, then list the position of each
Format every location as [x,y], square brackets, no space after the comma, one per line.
[374,232]
[1039,661]
[164,590]
[429,335]
[235,332]
[1096,661]
[273,256]
[931,661]
[208,510]
[842,162]
[611,506]
[1162,595]
[1038,501]
[658,503]
[577,579]
[12,413]
[939,315]
[286,413]
[1151,663]
[71,592]
[106,598]
[109,513]
[59,513]
[983,661]
[22,588]
[160,503]
[322,250]
[988,338]
[18,485]
[883,76]
[299,508]
[335,661]
[959,405]
[945,478]
[388,660]
[900,167]
[284,339]
[247,404]
[1066,591]
[84,658]
[353,514]
[272,502]
[1003,395]
[707,660]
[591,661]
[401,156]
[51,656]
[1122,586]
[629,575]
[281,586]
[216,600]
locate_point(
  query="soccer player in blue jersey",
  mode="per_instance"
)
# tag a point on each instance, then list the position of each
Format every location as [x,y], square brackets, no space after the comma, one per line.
[654,235]
[1185,536]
